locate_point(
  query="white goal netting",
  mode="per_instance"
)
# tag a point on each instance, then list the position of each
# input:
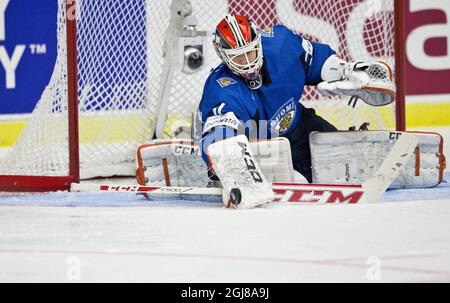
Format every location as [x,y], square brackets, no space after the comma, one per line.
[130,76]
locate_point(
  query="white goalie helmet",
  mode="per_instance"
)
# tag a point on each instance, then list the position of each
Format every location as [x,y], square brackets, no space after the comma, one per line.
[237,41]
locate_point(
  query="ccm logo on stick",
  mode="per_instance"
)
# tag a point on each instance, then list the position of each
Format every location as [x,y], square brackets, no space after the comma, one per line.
[319,196]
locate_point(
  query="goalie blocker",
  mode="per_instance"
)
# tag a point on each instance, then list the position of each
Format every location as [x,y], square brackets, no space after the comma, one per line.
[179,163]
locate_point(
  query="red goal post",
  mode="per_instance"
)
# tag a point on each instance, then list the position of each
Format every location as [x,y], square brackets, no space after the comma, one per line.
[23,183]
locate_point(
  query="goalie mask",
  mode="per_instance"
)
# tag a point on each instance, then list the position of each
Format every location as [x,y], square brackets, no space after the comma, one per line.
[237,41]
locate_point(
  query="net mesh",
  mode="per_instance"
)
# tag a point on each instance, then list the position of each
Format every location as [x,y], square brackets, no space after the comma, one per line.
[124,71]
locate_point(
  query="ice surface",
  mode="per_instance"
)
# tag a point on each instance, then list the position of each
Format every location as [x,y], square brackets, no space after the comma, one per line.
[125,238]
[73,237]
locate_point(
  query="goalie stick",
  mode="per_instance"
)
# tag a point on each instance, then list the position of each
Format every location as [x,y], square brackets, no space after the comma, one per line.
[284,192]
[367,192]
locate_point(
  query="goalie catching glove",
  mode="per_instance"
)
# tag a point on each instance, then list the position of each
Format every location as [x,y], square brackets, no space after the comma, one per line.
[243,182]
[371,82]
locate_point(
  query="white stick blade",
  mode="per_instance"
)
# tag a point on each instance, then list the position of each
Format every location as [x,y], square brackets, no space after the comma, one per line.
[390,168]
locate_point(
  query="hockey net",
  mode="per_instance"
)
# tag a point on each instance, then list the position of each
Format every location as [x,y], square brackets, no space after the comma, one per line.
[131,84]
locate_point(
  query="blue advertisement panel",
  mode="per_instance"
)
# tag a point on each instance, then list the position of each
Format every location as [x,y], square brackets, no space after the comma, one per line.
[27,52]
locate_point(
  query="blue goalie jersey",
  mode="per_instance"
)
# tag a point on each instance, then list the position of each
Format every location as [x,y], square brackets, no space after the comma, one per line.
[228,106]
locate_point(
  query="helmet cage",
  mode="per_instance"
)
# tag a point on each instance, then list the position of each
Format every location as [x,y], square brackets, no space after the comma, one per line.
[249,69]
[228,50]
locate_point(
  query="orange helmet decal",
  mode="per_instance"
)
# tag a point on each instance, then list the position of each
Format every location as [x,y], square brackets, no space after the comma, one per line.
[235,31]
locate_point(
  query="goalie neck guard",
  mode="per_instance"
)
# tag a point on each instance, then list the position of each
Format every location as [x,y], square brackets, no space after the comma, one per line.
[237,42]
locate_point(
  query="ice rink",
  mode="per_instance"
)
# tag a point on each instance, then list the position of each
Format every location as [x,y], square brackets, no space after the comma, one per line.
[80,237]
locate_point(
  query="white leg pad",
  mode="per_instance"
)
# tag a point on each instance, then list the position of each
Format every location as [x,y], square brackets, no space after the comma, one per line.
[352,158]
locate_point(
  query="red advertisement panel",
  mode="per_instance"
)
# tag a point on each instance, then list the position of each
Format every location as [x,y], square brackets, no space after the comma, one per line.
[428,47]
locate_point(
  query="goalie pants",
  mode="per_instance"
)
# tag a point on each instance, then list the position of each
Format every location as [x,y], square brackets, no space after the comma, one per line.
[299,139]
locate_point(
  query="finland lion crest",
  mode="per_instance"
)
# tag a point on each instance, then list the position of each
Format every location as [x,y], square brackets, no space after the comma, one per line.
[226,81]
[282,121]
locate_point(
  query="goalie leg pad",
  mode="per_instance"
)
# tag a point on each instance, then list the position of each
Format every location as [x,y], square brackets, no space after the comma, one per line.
[352,157]
[275,160]
[179,163]
[171,163]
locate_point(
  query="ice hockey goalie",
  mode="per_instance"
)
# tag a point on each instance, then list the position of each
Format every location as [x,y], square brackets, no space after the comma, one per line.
[255,95]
